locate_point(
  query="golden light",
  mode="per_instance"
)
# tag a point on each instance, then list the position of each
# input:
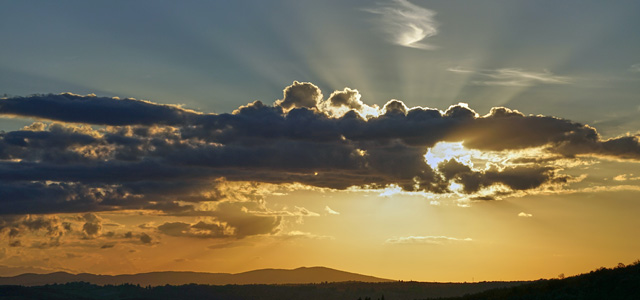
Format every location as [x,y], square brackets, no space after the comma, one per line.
[479,160]
[445,151]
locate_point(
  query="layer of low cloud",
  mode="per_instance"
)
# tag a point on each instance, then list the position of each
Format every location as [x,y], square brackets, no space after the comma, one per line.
[511,77]
[405,23]
[176,162]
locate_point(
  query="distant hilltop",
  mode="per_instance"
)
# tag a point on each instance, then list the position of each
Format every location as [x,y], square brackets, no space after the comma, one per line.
[264,276]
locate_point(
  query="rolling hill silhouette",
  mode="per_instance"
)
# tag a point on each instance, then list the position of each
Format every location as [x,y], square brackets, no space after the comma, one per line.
[622,282]
[265,276]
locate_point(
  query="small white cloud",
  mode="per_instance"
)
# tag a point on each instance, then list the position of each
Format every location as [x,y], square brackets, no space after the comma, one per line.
[635,68]
[434,202]
[330,211]
[512,77]
[524,215]
[429,240]
[406,23]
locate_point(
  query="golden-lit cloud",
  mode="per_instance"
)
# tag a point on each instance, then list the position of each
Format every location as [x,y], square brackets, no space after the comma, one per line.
[67,230]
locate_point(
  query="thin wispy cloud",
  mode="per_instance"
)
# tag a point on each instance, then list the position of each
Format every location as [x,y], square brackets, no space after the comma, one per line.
[330,211]
[635,68]
[524,215]
[512,77]
[421,240]
[406,24]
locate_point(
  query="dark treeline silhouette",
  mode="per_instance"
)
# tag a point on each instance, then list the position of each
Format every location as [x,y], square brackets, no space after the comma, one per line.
[618,283]
[622,282]
[323,291]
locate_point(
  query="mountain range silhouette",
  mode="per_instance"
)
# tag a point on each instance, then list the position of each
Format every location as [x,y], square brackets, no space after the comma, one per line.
[317,283]
[301,275]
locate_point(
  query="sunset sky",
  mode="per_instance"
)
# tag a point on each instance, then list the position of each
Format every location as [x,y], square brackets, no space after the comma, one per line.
[412,140]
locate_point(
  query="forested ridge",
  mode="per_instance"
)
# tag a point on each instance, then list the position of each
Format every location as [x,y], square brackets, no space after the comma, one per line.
[332,291]
[621,282]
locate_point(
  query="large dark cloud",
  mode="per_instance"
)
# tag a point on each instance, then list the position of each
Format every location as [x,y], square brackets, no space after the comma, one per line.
[95,110]
[515,178]
[162,157]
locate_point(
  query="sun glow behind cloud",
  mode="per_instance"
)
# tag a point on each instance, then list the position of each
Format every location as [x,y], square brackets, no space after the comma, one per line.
[448,150]
[479,160]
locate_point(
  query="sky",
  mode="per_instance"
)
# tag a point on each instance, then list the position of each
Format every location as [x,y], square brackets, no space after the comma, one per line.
[410,140]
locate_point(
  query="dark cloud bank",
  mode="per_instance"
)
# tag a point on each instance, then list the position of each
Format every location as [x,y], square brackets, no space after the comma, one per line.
[104,154]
